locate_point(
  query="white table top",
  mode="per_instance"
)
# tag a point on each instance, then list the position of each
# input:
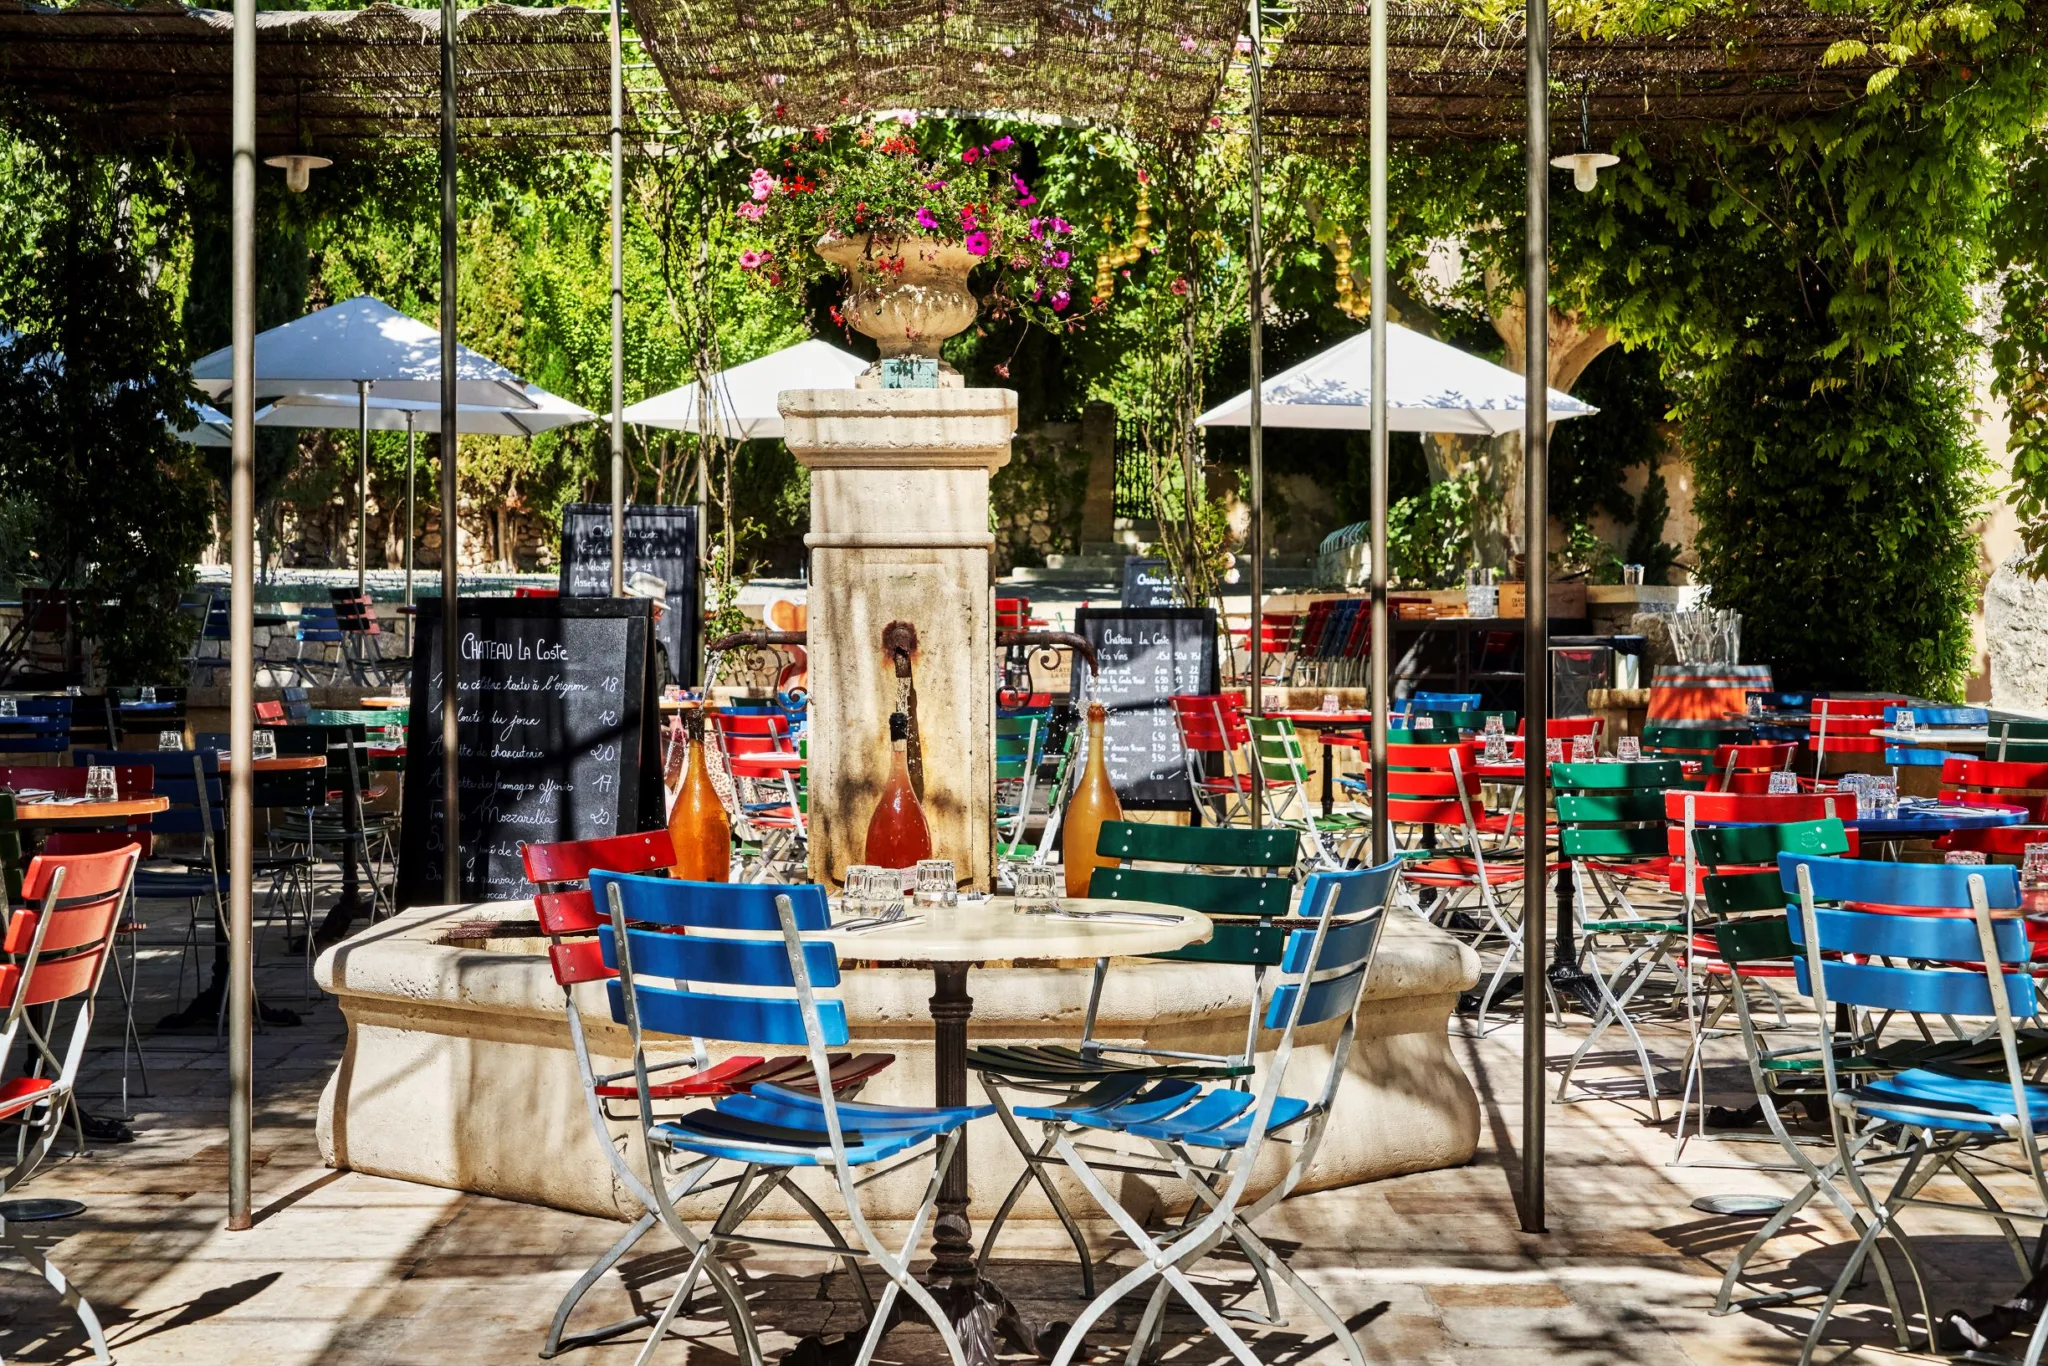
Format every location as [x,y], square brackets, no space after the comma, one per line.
[992,930]
[1937,738]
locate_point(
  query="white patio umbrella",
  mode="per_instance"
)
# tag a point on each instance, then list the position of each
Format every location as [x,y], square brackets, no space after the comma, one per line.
[744,396]
[1431,387]
[364,344]
[545,411]
[212,429]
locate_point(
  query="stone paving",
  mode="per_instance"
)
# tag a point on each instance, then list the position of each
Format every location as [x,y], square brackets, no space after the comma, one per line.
[347,1269]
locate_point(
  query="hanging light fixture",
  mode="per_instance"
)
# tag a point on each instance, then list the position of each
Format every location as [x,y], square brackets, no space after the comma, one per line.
[298,169]
[1585,164]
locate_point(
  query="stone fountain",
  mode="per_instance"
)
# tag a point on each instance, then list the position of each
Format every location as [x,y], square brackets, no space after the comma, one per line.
[458,1071]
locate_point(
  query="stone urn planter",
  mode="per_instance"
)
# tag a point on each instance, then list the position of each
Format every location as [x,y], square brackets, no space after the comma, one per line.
[909,294]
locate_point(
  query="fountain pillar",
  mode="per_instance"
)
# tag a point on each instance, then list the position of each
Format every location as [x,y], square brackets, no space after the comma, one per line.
[900,533]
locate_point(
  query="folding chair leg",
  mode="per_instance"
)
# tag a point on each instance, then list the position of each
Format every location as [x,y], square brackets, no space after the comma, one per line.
[1034,1170]
[556,1343]
[66,1291]
[1321,1307]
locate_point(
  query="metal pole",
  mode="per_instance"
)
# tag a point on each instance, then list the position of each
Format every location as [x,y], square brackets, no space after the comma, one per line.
[1536,608]
[1255,302]
[362,484]
[618,308]
[412,450]
[1382,833]
[451,529]
[242,619]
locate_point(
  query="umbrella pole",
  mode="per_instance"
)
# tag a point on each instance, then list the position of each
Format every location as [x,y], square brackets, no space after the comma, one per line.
[1382,835]
[412,443]
[362,484]
[451,531]
[618,310]
[1536,609]
[242,619]
[1254,293]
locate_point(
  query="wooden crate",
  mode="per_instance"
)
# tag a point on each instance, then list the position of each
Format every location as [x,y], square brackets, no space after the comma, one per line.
[1567,600]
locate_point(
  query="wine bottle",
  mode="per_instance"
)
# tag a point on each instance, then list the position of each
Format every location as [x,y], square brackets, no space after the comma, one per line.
[1094,801]
[897,834]
[697,825]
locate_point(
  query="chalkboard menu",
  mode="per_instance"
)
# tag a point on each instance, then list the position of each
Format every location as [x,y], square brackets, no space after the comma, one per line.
[1148,656]
[660,540]
[556,725]
[1147,582]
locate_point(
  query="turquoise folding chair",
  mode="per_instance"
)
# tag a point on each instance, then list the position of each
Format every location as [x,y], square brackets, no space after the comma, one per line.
[1211,1139]
[1937,951]
[765,992]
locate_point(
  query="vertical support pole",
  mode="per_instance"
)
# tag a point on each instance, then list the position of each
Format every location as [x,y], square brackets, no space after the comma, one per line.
[618,307]
[1536,609]
[451,524]
[362,485]
[242,617]
[412,451]
[1255,305]
[1382,699]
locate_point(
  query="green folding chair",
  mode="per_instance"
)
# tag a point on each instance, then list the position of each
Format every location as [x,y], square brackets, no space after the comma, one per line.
[2024,742]
[1242,878]
[1283,771]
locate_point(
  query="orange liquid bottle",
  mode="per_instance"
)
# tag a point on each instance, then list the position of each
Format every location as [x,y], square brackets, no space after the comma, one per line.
[1093,802]
[897,834]
[697,823]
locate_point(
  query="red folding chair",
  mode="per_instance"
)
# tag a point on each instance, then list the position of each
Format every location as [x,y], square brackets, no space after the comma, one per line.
[763,762]
[1847,725]
[1213,724]
[55,953]
[1997,782]
[1748,767]
[579,951]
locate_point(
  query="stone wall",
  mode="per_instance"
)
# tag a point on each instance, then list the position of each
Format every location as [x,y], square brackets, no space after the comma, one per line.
[323,536]
[1036,500]
[2016,638]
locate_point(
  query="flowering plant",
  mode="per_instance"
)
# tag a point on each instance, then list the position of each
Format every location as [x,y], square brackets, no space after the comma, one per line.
[892,193]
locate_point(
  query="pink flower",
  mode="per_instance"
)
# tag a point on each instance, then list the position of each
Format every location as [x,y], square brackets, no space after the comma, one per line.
[967,218]
[1187,44]
[1060,302]
[751,259]
[1244,45]
[1058,260]
[971,155]
[1062,225]
[1037,229]
[1024,195]
[753,212]
[926,221]
[1180,286]
[935,184]
[976,243]
[1002,144]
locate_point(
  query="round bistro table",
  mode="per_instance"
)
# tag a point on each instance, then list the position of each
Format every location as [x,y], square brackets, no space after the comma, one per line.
[952,940]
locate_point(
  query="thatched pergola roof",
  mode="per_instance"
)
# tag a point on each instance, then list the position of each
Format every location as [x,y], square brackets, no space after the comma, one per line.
[350,80]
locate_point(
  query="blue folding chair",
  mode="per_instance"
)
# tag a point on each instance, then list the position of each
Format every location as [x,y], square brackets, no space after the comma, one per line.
[1949,959]
[1931,718]
[768,994]
[319,626]
[1419,702]
[1229,1126]
[40,725]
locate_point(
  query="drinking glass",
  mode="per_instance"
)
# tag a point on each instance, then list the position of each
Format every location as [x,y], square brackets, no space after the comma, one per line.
[1583,751]
[1904,722]
[99,784]
[1629,749]
[1632,575]
[936,885]
[1968,858]
[865,884]
[1783,781]
[2034,868]
[1423,722]
[1884,796]
[264,746]
[1330,702]
[1754,703]
[170,739]
[1482,600]
[73,690]
[1553,750]
[1493,725]
[8,707]
[1038,888]
[149,697]
[1496,751]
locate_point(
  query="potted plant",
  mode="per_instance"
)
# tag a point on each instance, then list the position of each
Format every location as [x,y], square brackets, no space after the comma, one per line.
[923,243]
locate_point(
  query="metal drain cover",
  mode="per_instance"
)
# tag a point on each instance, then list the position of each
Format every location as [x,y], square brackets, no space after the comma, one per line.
[1739,1204]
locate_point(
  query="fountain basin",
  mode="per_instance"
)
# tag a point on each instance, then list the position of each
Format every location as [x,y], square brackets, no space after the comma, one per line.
[457,1070]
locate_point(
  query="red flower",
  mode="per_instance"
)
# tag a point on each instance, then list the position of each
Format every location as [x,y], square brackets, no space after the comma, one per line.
[838,318]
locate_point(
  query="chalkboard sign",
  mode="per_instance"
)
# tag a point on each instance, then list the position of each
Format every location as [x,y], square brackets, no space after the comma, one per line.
[555,722]
[1147,657]
[661,541]
[1147,582]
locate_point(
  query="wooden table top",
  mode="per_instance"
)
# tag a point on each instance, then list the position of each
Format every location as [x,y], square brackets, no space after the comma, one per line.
[125,809]
[283,763]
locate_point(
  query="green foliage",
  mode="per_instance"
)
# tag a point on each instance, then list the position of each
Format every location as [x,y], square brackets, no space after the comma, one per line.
[2019,346]
[102,498]
[1429,535]
[1646,544]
